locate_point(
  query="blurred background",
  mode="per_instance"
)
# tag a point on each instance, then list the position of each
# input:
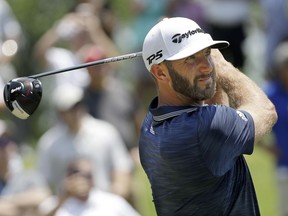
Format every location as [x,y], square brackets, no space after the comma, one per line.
[41,35]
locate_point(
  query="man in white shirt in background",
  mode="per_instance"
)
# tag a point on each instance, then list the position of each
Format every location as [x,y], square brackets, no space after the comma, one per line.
[75,134]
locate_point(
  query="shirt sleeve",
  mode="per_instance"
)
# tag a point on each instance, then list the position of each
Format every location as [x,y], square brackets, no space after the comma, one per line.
[225,134]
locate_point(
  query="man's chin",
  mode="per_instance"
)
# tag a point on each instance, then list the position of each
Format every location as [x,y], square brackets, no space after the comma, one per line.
[206,95]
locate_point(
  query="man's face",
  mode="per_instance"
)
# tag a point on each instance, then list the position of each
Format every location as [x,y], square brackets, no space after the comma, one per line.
[194,76]
[79,179]
[72,117]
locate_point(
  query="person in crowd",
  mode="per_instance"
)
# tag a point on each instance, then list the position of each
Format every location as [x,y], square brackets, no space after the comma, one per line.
[21,190]
[228,19]
[59,46]
[107,97]
[77,133]
[192,9]
[275,17]
[277,91]
[80,197]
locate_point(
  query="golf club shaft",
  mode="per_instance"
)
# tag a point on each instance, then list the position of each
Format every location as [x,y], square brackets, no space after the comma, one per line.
[102,61]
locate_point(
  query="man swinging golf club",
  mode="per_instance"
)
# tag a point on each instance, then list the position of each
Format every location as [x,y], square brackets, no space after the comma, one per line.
[192,152]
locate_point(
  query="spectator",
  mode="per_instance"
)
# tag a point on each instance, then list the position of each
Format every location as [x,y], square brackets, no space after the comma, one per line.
[80,197]
[191,9]
[60,45]
[228,19]
[277,91]
[78,133]
[107,97]
[275,18]
[21,191]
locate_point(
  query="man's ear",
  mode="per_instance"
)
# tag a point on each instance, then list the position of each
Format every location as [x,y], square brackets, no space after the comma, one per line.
[160,72]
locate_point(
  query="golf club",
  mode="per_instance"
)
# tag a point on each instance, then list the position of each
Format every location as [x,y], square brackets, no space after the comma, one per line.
[22,95]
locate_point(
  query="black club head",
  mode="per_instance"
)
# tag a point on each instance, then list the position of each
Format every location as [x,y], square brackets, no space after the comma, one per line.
[22,96]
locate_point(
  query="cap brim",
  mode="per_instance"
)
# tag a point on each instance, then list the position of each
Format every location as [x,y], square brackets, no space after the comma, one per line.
[191,50]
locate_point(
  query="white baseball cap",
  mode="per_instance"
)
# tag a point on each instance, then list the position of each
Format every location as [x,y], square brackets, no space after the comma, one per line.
[176,38]
[66,96]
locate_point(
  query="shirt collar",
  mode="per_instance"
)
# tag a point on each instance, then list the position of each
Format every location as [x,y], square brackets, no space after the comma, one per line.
[165,112]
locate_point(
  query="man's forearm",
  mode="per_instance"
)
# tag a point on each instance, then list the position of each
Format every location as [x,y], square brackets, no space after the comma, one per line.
[244,94]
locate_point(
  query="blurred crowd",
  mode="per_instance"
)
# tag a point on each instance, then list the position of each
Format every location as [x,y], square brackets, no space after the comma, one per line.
[85,157]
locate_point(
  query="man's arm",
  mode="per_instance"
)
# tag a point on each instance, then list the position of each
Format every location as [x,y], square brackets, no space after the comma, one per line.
[244,94]
[121,184]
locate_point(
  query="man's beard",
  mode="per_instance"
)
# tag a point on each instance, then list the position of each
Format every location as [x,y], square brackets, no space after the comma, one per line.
[193,91]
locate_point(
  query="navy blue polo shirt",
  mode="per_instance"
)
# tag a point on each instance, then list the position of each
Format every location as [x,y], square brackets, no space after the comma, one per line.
[193,157]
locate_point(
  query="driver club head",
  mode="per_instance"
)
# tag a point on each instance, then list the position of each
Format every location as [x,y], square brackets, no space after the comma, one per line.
[22,96]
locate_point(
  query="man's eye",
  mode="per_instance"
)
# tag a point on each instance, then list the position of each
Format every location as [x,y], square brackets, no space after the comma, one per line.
[190,58]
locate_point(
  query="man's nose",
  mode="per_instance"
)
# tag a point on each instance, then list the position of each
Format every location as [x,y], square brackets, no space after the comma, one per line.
[205,65]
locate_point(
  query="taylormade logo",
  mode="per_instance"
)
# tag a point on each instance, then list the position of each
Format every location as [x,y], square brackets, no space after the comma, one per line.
[15,89]
[177,38]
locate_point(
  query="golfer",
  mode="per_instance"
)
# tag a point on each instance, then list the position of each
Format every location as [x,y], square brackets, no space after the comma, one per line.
[206,116]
